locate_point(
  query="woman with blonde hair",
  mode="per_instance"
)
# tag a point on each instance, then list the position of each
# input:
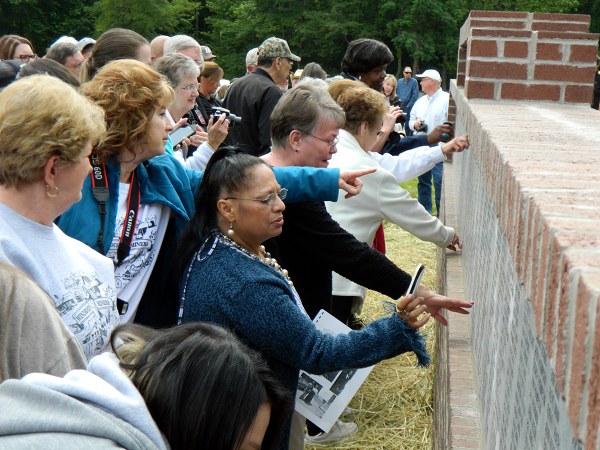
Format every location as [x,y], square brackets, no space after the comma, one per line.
[382,198]
[389,88]
[44,153]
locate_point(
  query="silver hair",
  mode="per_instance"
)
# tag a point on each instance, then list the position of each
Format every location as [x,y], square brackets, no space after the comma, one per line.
[302,108]
[175,67]
[180,42]
[252,57]
[314,82]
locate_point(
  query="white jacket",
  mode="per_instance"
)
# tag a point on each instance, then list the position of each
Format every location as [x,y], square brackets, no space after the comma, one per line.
[381,199]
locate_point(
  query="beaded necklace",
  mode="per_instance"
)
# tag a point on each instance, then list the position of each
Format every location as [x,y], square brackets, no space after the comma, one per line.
[271,262]
[219,237]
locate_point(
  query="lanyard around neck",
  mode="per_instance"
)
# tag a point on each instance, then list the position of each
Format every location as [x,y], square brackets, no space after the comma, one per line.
[101,194]
[133,206]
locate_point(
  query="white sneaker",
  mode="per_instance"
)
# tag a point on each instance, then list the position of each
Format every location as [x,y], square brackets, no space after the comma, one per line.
[339,431]
[347,410]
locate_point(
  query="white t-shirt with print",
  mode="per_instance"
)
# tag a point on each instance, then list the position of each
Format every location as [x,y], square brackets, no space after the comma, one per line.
[79,280]
[132,275]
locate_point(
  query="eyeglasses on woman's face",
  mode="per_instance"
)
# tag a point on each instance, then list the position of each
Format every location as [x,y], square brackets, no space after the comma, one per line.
[191,87]
[268,200]
[331,143]
[26,58]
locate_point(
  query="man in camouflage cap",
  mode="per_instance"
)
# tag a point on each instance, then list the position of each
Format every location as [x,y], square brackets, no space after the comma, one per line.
[254,96]
[275,47]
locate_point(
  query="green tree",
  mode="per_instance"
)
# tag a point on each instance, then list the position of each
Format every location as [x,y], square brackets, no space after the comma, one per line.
[147,18]
[43,22]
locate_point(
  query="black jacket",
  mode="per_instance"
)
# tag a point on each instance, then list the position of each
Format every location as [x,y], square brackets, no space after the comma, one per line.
[253,97]
[312,245]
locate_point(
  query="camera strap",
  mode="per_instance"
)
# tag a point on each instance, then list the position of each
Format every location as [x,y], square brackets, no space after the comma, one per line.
[133,206]
[100,192]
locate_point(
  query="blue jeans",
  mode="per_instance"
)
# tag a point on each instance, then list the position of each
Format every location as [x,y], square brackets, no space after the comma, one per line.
[424,187]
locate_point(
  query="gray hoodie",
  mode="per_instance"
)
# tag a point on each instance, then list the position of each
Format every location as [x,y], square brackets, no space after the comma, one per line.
[96,408]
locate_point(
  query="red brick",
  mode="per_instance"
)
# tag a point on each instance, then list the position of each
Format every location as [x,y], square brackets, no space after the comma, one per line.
[579,94]
[577,381]
[460,80]
[479,89]
[563,72]
[568,36]
[548,52]
[516,49]
[498,14]
[497,70]
[544,264]
[561,26]
[561,17]
[494,32]
[583,53]
[550,316]
[483,48]
[593,419]
[499,24]
[528,91]
[559,340]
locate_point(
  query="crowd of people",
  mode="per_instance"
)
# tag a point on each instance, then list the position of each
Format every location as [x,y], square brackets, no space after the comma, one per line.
[144,301]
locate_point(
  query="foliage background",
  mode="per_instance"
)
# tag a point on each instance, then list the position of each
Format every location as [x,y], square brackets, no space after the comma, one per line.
[420,33]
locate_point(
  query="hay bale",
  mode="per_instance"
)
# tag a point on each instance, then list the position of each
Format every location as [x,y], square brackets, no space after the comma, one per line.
[393,408]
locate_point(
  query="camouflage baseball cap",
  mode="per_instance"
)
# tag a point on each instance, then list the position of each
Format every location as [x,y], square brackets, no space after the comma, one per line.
[276,48]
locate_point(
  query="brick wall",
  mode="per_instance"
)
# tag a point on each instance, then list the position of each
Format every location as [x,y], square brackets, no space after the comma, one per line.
[528,210]
[527,56]
[529,213]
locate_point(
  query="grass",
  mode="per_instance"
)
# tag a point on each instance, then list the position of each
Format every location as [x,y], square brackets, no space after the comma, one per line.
[393,408]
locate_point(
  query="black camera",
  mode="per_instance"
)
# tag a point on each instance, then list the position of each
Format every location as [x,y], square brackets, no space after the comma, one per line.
[217,111]
[402,117]
[422,128]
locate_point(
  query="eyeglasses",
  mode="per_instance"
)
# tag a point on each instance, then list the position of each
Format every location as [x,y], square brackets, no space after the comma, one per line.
[268,200]
[191,87]
[27,58]
[288,60]
[331,143]
[408,72]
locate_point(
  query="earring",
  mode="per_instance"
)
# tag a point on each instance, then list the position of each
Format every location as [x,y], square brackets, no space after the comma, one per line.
[230,232]
[52,191]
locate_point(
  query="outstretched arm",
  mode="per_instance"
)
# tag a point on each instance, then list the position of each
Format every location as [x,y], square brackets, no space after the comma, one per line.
[435,302]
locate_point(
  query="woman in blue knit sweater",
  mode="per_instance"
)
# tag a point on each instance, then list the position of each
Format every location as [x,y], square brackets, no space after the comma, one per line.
[229,280]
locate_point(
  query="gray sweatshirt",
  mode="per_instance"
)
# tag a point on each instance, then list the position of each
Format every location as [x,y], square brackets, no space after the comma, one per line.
[99,408]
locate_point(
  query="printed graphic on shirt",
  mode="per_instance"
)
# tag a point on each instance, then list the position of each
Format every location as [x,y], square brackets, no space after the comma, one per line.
[142,251]
[88,308]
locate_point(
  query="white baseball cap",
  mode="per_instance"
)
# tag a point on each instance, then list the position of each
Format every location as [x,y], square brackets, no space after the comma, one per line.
[430,73]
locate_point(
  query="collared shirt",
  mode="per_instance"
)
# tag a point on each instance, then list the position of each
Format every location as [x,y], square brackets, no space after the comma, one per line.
[408,92]
[433,110]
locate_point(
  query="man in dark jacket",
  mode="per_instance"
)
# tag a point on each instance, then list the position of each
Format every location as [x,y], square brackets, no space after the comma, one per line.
[254,96]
